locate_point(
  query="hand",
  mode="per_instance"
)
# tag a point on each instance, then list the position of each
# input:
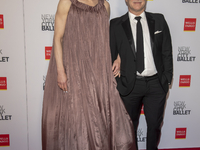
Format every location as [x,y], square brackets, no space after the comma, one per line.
[116,67]
[62,81]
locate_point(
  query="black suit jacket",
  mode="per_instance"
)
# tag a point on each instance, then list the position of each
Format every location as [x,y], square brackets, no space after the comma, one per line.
[122,43]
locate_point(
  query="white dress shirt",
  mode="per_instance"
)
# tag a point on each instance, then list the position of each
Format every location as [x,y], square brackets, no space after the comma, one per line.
[149,65]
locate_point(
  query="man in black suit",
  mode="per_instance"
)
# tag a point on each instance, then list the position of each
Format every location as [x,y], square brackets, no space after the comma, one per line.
[143,43]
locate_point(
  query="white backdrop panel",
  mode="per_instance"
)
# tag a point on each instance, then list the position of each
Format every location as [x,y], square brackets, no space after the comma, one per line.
[36,40]
[13,100]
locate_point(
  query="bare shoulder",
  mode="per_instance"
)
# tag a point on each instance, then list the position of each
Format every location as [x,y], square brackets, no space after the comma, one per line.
[65,2]
[63,7]
[107,5]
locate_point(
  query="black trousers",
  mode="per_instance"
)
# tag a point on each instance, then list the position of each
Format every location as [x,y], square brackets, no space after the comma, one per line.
[149,92]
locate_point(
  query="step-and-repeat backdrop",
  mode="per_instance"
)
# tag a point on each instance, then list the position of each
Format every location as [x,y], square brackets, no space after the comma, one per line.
[26,35]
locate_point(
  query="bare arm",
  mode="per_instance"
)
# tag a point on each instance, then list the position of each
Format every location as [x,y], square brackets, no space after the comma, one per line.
[60,22]
[117,62]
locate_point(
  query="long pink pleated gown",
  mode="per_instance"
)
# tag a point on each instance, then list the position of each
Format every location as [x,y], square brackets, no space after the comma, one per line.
[91,116]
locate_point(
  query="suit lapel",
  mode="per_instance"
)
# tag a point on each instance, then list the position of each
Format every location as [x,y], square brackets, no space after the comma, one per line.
[151,24]
[127,29]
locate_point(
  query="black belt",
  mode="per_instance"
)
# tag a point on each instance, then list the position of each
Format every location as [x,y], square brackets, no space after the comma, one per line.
[155,76]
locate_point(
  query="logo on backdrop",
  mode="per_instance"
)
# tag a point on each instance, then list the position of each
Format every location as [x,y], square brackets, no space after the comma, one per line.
[4,140]
[180,133]
[48,52]
[140,136]
[44,79]
[3,115]
[190,1]
[184,80]
[3,83]
[190,24]
[2,57]
[180,108]
[184,54]
[47,22]
[1,22]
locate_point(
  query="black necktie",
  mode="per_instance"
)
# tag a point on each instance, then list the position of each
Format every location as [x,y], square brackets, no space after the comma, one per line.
[139,46]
